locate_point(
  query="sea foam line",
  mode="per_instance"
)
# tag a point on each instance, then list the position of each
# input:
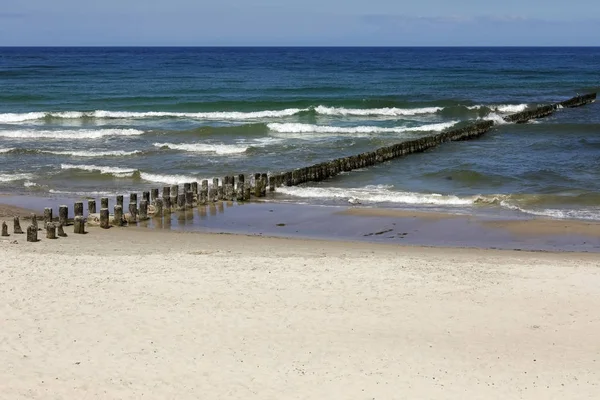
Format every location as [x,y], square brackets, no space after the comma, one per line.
[69,134]
[205,147]
[119,172]
[14,177]
[310,128]
[217,115]
[388,111]
[374,194]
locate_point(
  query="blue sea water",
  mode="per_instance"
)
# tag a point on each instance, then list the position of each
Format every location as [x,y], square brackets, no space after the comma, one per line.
[94,121]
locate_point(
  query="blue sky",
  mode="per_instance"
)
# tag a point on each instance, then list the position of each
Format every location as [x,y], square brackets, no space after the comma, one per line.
[300,23]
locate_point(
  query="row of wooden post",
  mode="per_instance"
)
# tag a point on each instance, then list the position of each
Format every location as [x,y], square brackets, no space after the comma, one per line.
[194,194]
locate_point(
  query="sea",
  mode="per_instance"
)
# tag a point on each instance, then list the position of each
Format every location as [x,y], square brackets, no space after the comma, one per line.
[89,122]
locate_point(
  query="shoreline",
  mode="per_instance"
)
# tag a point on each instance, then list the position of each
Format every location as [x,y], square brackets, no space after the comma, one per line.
[371,225]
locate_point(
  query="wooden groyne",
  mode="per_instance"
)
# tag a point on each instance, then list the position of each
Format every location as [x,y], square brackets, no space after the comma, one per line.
[238,188]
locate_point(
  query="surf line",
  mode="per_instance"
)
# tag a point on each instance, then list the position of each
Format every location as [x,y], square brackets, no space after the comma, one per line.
[232,188]
[325,170]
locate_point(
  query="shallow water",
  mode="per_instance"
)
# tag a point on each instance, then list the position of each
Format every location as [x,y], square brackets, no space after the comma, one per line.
[88,122]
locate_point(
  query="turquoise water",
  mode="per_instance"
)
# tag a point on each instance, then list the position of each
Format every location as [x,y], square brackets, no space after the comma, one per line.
[94,121]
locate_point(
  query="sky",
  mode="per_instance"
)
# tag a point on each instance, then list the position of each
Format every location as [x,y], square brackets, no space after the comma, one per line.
[299,23]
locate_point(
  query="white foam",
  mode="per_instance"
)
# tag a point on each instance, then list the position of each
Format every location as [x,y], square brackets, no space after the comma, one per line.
[12,118]
[564,214]
[387,112]
[510,108]
[502,108]
[85,194]
[217,115]
[6,150]
[116,153]
[309,128]
[498,120]
[116,171]
[14,177]
[205,147]
[169,179]
[30,184]
[375,194]
[69,134]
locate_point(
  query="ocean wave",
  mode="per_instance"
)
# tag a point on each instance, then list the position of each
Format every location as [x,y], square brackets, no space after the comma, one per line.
[115,171]
[205,147]
[102,114]
[510,108]
[15,177]
[84,194]
[502,108]
[310,128]
[119,172]
[7,150]
[69,134]
[387,112]
[92,153]
[374,194]
[498,120]
[168,179]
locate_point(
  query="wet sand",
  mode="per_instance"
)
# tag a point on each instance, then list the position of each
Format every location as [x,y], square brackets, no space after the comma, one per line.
[380,225]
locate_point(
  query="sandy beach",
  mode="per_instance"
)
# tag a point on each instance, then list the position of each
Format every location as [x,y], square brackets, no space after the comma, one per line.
[135,313]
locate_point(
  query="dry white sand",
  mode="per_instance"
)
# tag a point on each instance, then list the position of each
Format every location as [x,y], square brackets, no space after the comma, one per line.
[129,313]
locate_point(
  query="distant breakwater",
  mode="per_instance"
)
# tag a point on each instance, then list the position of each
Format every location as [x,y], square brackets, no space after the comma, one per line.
[238,188]
[325,170]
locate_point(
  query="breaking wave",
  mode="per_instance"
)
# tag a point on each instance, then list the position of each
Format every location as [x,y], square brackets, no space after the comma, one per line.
[310,128]
[69,134]
[15,177]
[119,172]
[387,112]
[205,147]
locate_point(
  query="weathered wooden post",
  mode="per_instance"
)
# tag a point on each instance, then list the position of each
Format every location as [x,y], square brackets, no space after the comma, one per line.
[219,191]
[78,225]
[153,195]
[133,210]
[174,193]
[189,199]
[257,188]
[4,229]
[181,202]
[187,187]
[61,231]
[104,221]
[78,209]
[103,202]
[120,201]
[195,189]
[228,190]
[146,196]
[271,184]
[144,210]
[91,206]
[17,226]
[166,196]
[118,217]
[247,192]
[158,204]
[212,194]
[50,230]
[32,233]
[204,192]
[263,184]
[240,192]
[47,215]
[34,222]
